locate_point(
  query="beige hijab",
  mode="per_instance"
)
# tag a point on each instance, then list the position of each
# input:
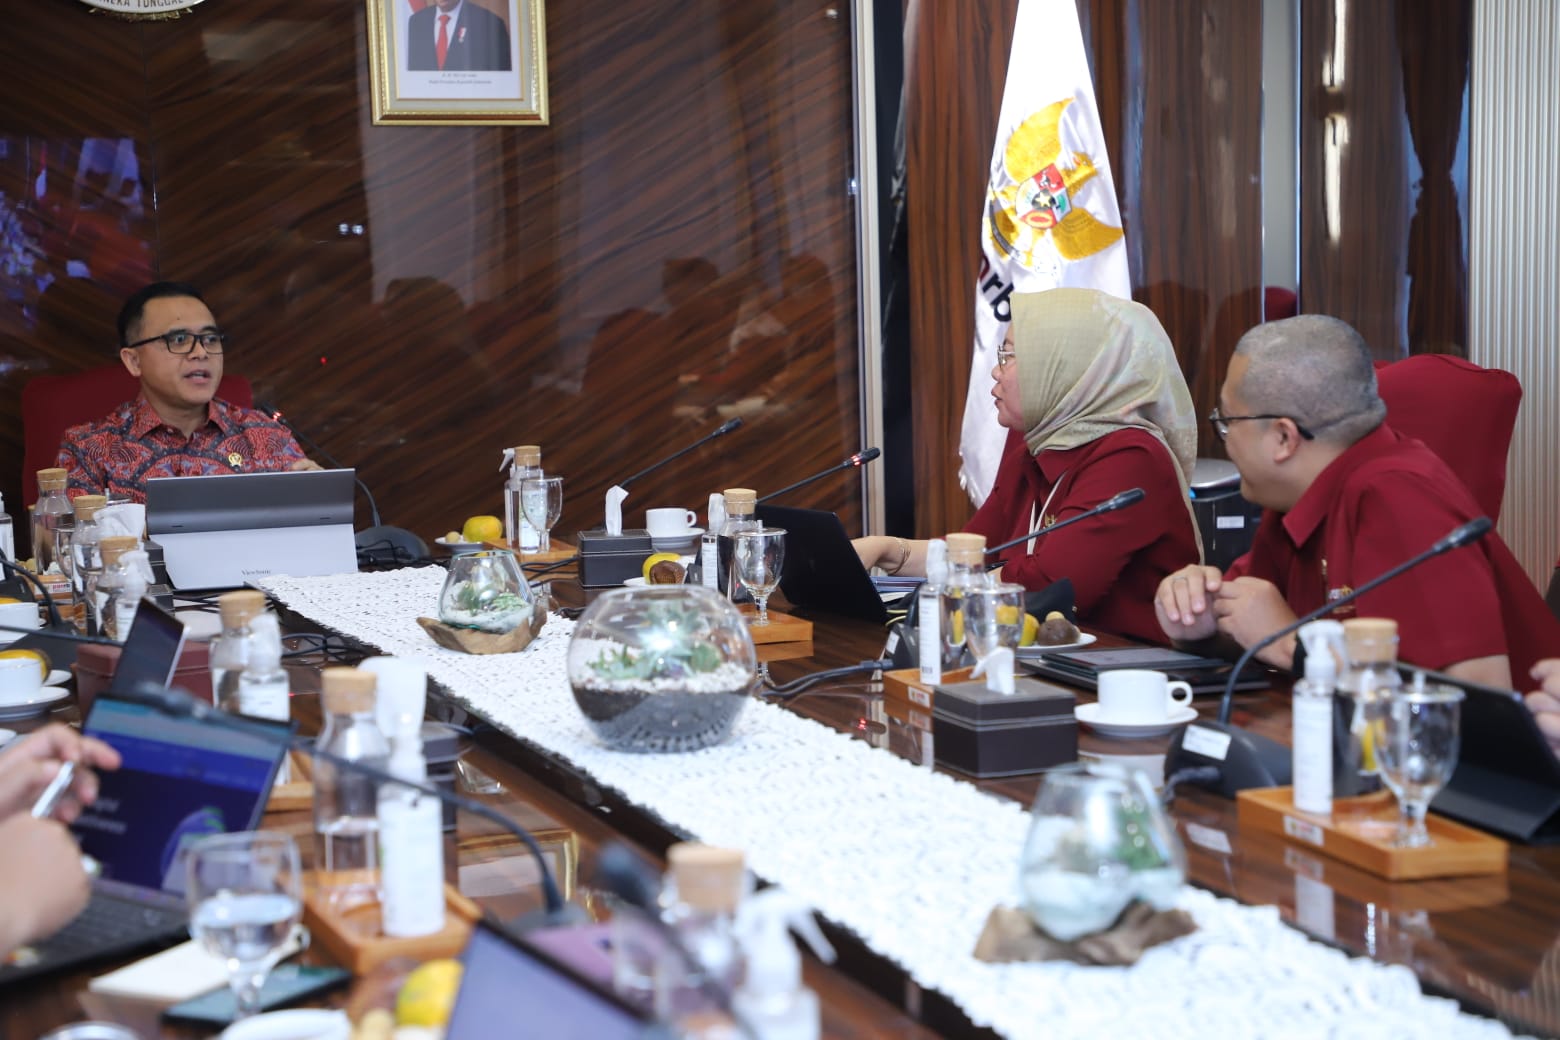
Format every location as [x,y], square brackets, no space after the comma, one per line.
[1090,363]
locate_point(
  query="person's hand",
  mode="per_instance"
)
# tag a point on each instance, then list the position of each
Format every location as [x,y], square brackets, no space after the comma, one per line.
[42,883]
[1251,609]
[1184,603]
[1544,702]
[303,464]
[27,766]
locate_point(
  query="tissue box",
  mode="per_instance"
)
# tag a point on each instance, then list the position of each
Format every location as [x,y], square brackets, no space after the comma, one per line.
[988,734]
[611,559]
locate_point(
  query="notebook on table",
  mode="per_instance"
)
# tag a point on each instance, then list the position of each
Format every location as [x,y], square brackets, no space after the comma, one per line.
[179,779]
[229,529]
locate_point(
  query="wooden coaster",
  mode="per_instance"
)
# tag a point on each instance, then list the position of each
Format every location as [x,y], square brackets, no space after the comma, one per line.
[782,628]
[355,936]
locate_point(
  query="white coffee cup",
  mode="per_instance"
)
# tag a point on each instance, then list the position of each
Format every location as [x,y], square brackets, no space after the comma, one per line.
[18,615]
[20,679]
[668,523]
[1132,695]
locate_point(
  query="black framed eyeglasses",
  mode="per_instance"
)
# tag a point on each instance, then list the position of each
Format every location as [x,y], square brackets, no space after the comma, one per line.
[182,341]
[1221,423]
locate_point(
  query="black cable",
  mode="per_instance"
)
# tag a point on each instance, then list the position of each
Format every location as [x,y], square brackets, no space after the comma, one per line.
[546,568]
[1189,775]
[807,682]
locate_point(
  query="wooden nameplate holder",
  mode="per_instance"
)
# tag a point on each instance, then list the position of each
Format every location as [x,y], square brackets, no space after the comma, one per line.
[1360,831]
[355,937]
[782,628]
[297,795]
[560,550]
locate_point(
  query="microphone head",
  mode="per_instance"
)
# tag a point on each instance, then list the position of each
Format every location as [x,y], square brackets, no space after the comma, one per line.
[625,875]
[861,458]
[168,700]
[1464,534]
[269,409]
[1130,497]
[729,425]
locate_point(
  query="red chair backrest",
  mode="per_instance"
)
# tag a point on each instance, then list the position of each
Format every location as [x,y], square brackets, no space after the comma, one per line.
[1462,412]
[52,404]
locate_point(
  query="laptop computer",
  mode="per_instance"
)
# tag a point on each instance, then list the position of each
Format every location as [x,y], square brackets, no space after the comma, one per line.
[822,571]
[1507,778]
[179,779]
[504,971]
[227,529]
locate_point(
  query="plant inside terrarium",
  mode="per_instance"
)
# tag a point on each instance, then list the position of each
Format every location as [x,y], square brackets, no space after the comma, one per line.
[677,650]
[486,603]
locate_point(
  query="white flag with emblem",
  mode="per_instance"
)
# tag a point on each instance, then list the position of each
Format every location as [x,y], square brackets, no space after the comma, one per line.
[1050,216]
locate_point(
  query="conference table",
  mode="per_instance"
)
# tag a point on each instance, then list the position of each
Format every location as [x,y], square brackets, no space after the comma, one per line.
[1490,943]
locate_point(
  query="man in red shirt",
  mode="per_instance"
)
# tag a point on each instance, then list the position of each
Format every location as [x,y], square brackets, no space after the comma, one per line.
[176,427]
[1346,499]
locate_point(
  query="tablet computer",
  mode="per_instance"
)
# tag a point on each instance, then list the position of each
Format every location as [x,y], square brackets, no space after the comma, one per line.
[1205,675]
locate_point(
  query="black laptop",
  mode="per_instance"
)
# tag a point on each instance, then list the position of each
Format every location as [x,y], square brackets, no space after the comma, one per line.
[822,571]
[180,779]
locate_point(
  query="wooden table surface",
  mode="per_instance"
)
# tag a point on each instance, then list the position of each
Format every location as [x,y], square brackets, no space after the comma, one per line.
[1488,942]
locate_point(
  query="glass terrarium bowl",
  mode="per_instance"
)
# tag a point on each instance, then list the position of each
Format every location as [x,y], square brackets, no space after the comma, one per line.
[485,591]
[662,667]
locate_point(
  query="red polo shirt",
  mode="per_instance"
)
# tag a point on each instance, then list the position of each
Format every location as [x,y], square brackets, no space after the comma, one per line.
[1115,560]
[1382,501]
[133,443]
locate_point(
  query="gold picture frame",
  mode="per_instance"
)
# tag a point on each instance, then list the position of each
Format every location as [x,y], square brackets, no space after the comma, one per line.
[483,64]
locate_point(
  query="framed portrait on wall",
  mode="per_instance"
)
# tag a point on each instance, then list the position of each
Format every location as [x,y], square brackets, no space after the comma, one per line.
[473,62]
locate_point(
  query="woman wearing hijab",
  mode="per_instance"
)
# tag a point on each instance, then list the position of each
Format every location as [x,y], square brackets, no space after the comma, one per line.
[1094,401]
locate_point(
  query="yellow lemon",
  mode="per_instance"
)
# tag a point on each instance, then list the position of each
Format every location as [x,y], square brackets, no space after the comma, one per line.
[36,655]
[482,529]
[9,599]
[1031,630]
[428,994]
[1007,615]
[956,627]
[655,558]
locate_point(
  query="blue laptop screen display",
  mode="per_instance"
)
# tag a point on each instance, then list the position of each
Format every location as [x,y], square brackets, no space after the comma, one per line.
[180,779]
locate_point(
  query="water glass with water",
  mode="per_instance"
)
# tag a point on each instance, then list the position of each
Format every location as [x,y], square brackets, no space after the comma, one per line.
[541,500]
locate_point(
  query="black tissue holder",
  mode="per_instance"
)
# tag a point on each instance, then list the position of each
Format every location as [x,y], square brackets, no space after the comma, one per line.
[611,559]
[986,734]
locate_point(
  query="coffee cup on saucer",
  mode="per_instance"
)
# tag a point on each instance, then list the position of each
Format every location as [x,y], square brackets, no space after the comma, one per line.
[670,523]
[17,615]
[21,677]
[1138,697]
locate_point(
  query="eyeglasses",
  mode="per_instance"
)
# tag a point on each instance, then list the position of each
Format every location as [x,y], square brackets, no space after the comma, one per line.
[1221,423]
[1005,357]
[182,341]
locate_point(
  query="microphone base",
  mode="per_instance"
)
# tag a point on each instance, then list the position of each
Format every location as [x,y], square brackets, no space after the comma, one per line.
[569,915]
[1243,759]
[386,546]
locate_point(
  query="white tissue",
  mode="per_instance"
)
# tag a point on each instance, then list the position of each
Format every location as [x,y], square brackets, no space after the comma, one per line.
[717,513]
[615,497]
[122,520]
[997,666]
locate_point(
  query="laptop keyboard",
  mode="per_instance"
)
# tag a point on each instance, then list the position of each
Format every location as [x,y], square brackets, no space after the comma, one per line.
[107,926]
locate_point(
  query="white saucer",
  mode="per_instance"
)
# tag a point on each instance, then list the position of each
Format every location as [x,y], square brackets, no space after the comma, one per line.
[1089,715]
[674,542]
[1031,653]
[56,677]
[461,547]
[635,583]
[295,1024]
[48,698]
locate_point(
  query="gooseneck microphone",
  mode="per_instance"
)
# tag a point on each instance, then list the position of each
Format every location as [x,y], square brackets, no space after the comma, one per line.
[1130,497]
[1247,759]
[1458,537]
[28,578]
[861,458]
[180,704]
[724,428]
[310,443]
[58,638]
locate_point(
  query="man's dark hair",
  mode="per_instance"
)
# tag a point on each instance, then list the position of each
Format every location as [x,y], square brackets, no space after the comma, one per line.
[135,307]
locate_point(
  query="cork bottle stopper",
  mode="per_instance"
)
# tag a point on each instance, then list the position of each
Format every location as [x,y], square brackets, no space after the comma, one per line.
[528,455]
[347,691]
[1371,640]
[115,547]
[52,479]
[966,549]
[240,607]
[86,506]
[741,501]
[709,879]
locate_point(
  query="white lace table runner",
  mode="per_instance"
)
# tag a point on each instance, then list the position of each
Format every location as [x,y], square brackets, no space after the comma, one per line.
[910,860]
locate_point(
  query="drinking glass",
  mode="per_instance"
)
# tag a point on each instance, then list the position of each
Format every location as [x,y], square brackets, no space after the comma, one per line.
[993,617]
[1415,738]
[245,897]
[541,499]
[1098,840]
[760,557]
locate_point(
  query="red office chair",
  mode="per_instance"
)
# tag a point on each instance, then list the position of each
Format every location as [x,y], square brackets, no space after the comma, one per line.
[1462,412]
[52,404]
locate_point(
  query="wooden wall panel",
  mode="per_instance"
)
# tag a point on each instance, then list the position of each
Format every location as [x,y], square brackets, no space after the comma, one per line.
[1384,170]
[676,246]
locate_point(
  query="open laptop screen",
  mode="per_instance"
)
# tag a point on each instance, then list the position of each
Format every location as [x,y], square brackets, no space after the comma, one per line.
[180,779]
